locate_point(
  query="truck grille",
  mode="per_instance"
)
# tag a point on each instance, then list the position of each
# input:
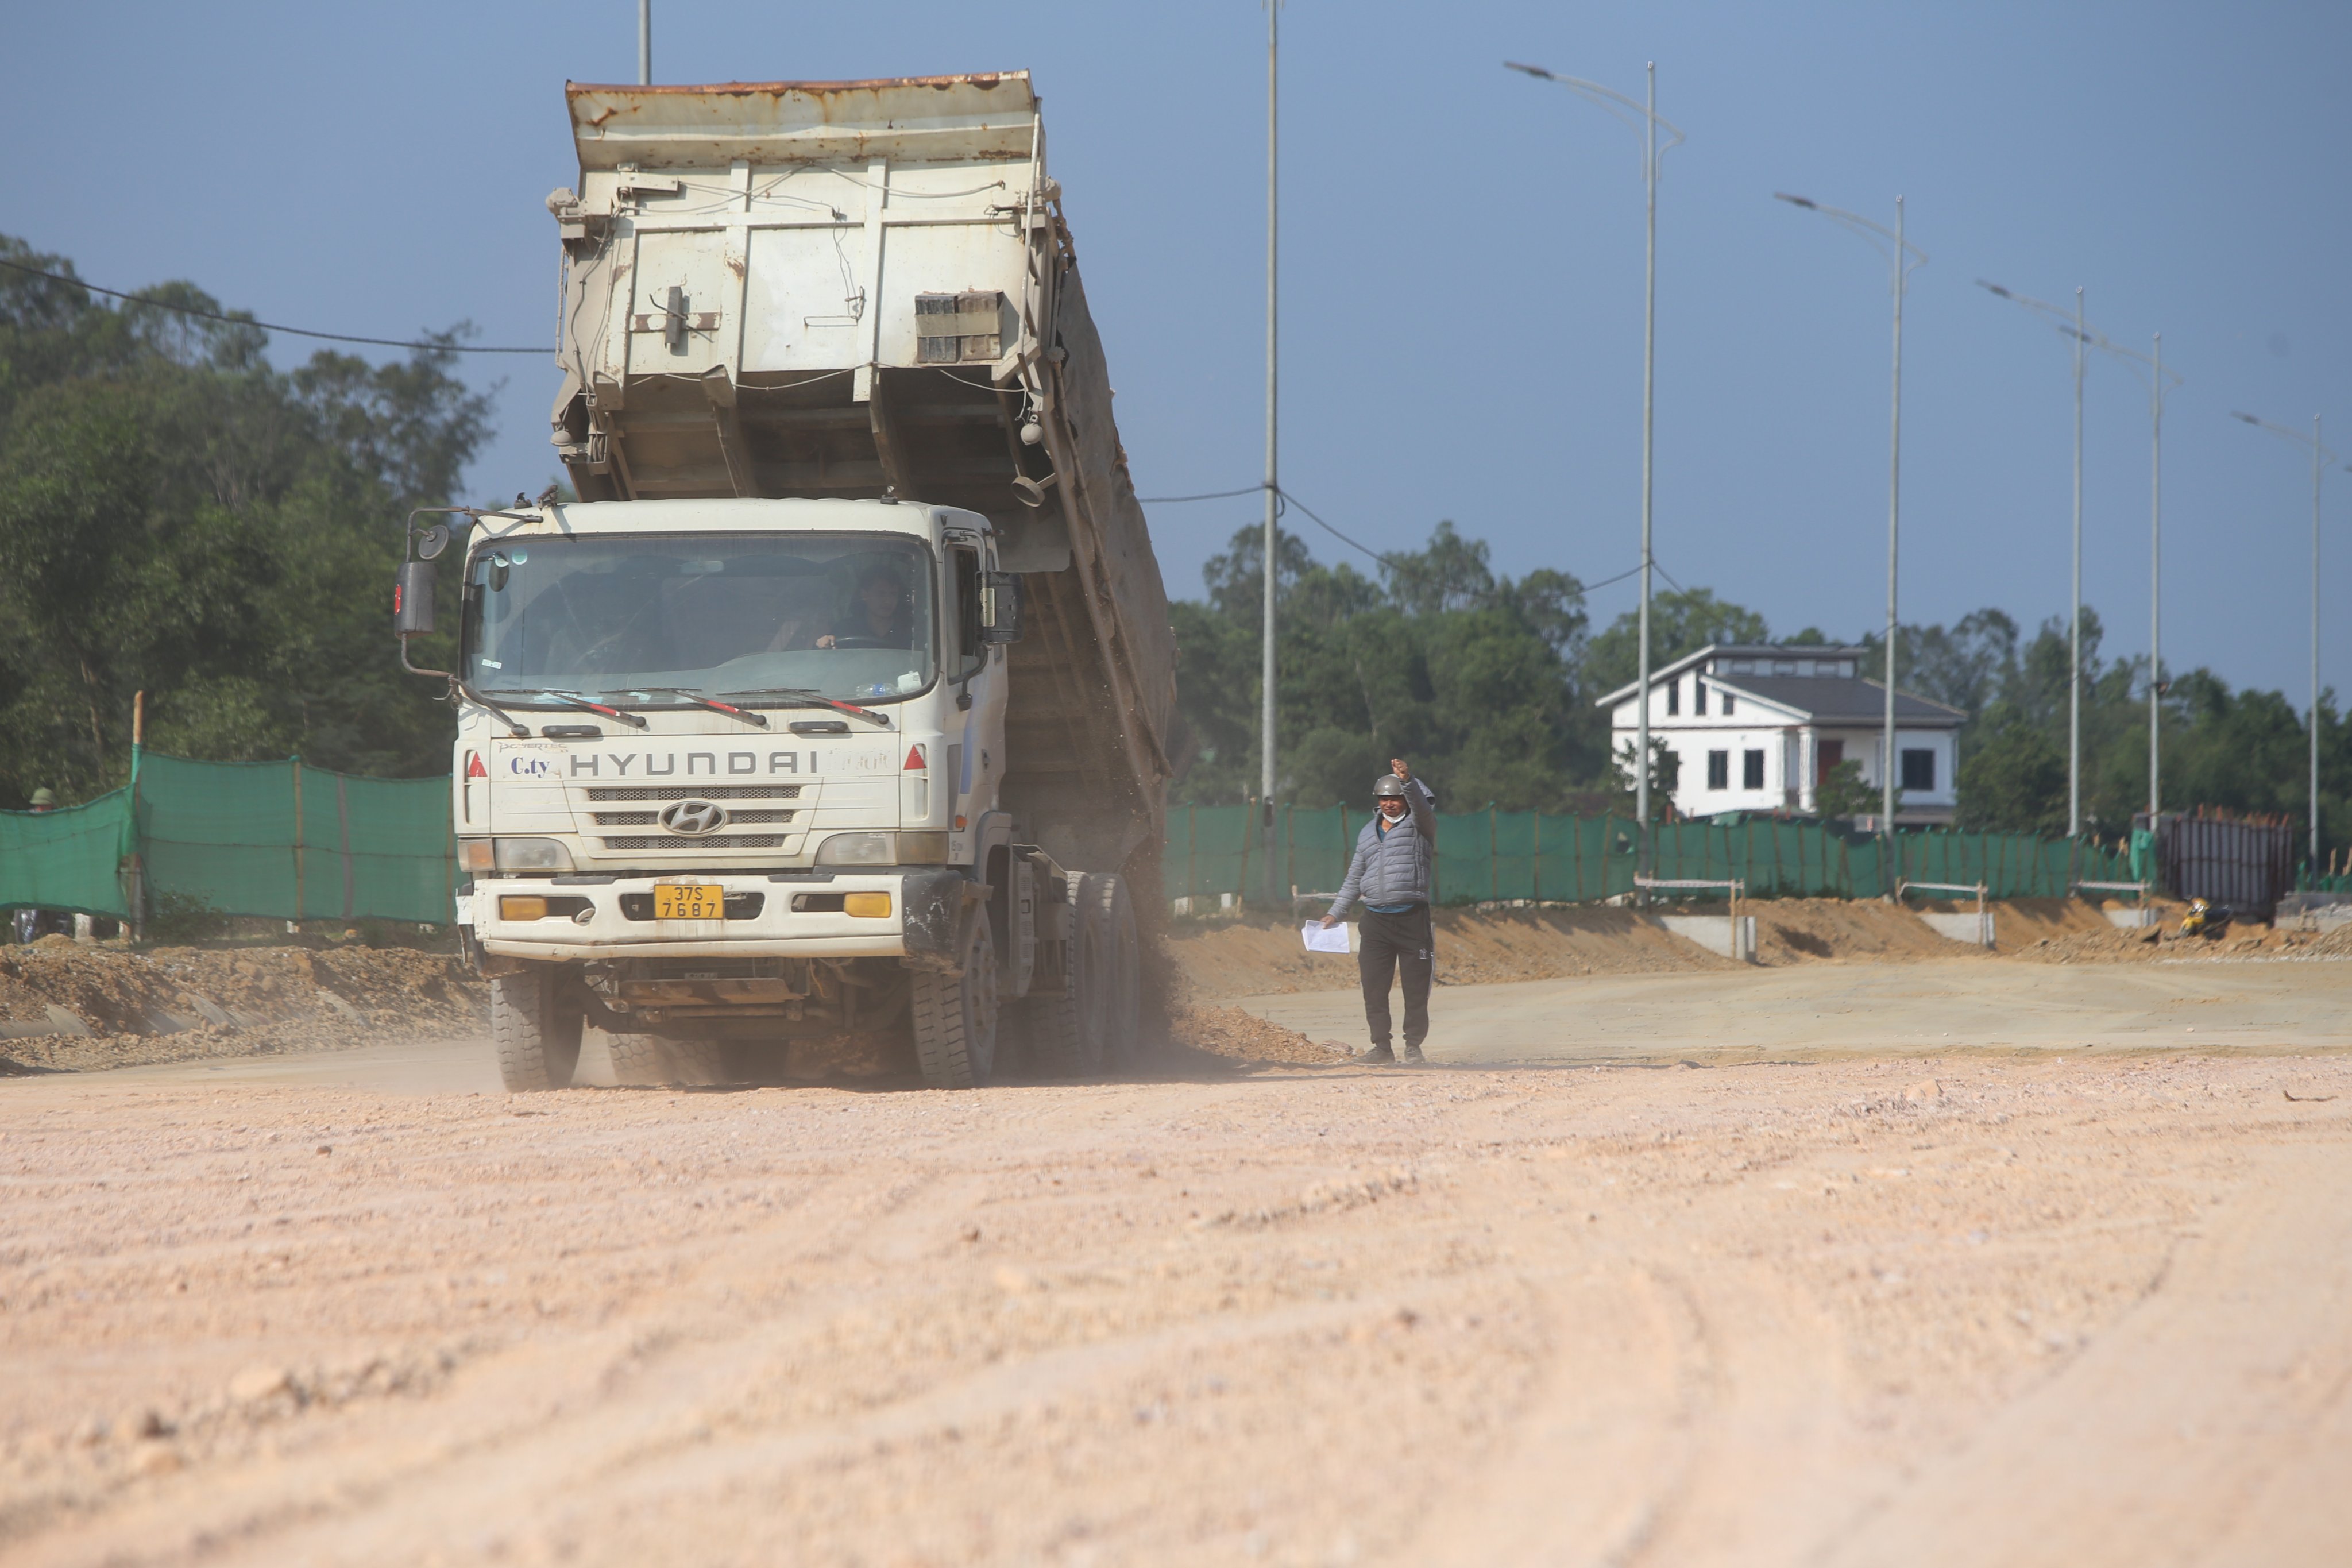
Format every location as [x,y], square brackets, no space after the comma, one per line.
[708,791]
[647,818]
[715,841]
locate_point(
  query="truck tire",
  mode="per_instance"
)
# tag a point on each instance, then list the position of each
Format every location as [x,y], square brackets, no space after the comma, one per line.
[652,1060]
[1117,958]
[954,1016]
[1059,1037]
[535,1023]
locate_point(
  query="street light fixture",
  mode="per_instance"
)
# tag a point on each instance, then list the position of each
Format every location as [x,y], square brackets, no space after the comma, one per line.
[1901,265]
[2320,457]
[2150,368]
[1641,117]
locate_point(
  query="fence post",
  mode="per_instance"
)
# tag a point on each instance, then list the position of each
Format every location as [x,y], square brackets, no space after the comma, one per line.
[1248,833]
[296,763]
[1494,864]
[1534,873]
[1192,850]
[1290,843]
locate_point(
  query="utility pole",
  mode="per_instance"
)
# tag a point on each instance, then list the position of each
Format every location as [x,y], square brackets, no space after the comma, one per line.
[1894,539]
[1645,862]
[2154,582]
[645,43]
[1273,408]
[2318,461]
[2074,604]
[2320,457]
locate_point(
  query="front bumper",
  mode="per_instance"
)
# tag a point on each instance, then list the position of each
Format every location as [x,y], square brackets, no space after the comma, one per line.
[925,906]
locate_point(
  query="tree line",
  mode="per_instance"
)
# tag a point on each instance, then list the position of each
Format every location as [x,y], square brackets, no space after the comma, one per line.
[179,517]
[1488,684]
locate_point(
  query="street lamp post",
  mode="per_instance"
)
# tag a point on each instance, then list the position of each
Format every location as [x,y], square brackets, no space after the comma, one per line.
[1624,108]
[2320,457]
[1273,488]
[2148,367]
[1899,259]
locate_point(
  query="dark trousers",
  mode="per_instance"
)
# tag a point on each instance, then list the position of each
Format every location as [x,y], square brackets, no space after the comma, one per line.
[1388,945]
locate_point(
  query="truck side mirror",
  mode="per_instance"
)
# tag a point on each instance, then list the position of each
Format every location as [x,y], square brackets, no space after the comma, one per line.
[1000,607]
[412,600]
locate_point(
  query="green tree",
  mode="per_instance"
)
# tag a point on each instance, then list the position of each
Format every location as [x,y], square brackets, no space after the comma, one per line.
[1681,622]
[2014,780]
[179,518]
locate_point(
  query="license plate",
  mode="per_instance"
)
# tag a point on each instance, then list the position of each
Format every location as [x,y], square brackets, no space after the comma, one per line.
[691,902]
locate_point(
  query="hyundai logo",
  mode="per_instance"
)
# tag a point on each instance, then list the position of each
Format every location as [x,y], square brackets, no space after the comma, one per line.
[694,817]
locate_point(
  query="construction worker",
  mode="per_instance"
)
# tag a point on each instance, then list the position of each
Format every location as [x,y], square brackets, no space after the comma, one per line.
[1390,873]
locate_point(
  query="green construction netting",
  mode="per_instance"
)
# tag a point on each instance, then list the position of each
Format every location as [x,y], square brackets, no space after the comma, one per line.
[1494,855]
[68,859]
[277,839]
[293,842]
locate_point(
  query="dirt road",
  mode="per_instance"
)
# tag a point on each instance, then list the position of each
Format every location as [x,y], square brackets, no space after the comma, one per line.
[1864,1298]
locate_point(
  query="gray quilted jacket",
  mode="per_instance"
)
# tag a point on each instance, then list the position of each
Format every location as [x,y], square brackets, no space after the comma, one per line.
[1393,870]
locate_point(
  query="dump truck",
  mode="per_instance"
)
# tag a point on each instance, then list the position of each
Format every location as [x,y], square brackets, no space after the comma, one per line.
[838,705]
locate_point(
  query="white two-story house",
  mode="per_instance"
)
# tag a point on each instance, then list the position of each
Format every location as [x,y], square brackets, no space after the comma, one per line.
[1758,728]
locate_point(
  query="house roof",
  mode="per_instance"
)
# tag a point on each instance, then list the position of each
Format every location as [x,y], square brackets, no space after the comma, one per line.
[1832,701]
[1821,698]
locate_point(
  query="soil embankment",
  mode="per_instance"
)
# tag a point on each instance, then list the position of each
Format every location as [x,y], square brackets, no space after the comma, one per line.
[67,1006]
[1251,956]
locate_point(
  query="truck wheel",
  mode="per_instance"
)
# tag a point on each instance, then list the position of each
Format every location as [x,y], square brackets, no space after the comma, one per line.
[1117,960]
[535,1023]
[1060,1033]
[955,1015]
[652,1060]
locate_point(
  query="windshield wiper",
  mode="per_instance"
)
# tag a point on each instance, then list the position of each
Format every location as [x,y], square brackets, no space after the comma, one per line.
[519,730]
[699,700]
[809,698]
[574,699]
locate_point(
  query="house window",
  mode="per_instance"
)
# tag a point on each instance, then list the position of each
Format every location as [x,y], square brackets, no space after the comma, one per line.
[1718,770]
[1698,698]
[1674,698]
[1827,755]
[1726,703]
[1751,769]
[1919,769]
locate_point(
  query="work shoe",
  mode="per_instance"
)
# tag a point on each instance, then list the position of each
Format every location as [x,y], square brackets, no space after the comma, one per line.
[1413,1059]
[1378,1055]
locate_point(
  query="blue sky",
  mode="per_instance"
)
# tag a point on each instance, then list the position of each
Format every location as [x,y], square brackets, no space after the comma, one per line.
[1461,258]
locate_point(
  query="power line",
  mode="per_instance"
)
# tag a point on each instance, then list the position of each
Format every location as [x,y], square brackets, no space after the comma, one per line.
[1334,532]
[265,326]
[1368,550]
[1211,495]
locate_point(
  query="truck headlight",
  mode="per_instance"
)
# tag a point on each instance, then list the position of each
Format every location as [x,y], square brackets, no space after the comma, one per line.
[475,855]
[532,855]
[859,849]
[925,848]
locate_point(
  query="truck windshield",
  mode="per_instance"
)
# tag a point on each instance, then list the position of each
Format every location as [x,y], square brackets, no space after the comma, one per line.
[843,615]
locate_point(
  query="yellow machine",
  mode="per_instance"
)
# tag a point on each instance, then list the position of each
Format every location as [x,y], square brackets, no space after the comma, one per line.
[2205,919]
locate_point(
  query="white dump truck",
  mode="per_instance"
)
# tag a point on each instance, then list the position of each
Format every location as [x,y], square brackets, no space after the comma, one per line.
[838,706]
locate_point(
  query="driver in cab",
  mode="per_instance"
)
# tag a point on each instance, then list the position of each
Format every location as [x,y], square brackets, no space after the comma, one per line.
[881,617]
